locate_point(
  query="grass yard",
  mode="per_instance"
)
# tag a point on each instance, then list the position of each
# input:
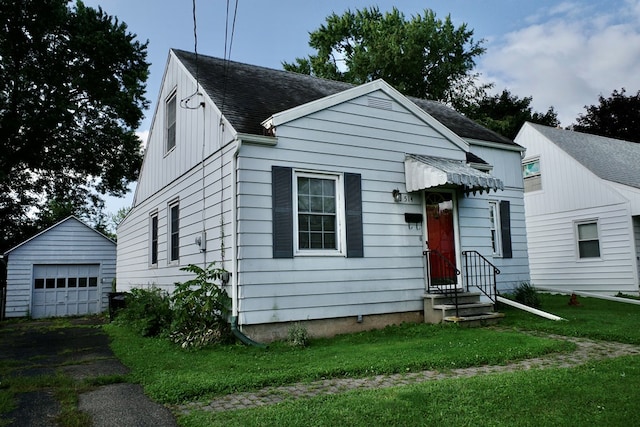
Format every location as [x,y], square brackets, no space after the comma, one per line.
[594,318]
[172,375]
[597,394]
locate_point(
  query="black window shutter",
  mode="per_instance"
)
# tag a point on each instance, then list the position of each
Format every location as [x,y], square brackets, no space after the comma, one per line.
[353,210]
[505,228]
[281,197]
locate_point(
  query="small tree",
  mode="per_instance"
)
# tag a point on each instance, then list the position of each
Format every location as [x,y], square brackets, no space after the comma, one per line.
[201,309]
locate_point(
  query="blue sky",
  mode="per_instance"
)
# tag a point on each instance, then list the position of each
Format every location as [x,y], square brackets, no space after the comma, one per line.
[562,53]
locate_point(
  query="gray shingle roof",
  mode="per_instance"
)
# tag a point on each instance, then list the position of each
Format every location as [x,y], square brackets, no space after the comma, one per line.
[611,159]
[252,94]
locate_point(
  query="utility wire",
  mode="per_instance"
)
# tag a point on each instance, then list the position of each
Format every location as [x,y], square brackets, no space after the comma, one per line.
[184,103]
[228,44]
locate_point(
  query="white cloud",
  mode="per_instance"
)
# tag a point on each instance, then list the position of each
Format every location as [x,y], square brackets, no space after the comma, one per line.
[567,56]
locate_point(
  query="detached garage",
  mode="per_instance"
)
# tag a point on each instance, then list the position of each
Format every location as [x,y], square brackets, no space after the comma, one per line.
[65,270]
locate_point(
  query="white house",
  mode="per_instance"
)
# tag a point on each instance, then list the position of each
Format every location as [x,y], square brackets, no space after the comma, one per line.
[319,197]
[582,198]
[66,270]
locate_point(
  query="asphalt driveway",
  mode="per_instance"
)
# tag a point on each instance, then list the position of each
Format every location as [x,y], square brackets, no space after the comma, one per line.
[40,353]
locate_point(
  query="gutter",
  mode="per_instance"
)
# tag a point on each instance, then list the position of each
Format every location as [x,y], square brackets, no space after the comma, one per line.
[529,309]
[235,298]
[591,295]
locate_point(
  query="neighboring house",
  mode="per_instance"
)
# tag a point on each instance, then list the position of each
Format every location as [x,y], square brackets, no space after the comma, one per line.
[317,196]
[582,198]
[66,270]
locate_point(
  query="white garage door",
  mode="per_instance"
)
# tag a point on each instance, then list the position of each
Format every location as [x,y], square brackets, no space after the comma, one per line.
[65,290]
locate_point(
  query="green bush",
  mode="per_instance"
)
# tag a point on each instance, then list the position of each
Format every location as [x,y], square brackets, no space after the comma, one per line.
[147,311]
[201,309]
[527,294]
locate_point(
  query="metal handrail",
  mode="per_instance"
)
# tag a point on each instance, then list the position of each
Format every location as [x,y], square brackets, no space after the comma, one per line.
[448,275]
[481,273]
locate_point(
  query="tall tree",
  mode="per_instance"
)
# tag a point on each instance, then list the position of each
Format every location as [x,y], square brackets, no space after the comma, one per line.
[72,82]
[616,117]
[505,113]
[424,56]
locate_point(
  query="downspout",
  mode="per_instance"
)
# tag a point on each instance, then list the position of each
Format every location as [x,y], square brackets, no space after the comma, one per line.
[235,302]
[528,309]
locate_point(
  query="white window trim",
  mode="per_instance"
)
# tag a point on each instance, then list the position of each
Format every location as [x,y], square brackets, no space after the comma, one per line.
[170,205]
[341,236]
[494,205]
[154,214]
[577,239]
[173,95]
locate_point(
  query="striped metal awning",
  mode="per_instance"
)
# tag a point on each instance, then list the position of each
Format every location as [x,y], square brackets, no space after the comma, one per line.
[423,172]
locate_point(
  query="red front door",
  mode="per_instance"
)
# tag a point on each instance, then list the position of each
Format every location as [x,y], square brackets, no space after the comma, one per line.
[440,238]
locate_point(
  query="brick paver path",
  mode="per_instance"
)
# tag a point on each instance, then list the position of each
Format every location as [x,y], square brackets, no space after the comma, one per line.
[587,350]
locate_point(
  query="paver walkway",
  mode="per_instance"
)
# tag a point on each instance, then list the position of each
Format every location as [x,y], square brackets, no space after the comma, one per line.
[587,350]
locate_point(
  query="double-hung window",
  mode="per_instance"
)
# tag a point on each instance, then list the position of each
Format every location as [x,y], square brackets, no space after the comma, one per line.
[494,220]
[153,225]
[587,239]
[531,175]
[500,228]
[170,122]
[174,232]
[316,213]
[319,217]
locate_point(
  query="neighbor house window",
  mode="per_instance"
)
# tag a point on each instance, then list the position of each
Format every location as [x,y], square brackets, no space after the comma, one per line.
[588,241]
[531,175]
[170,121]
[174,232]
[154,239]
[494,219]
[318,214]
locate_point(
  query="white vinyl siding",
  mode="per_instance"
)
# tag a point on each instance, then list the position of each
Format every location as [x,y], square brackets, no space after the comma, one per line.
[575,195]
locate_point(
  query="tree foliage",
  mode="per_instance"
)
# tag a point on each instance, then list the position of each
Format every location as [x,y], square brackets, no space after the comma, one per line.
[505,113]
[72,82]
[423,57]
[616,117]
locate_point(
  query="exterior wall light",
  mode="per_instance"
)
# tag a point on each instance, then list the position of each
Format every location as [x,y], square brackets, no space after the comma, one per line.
[397,195]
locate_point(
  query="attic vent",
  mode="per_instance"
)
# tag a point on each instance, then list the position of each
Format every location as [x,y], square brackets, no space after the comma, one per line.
[382,104]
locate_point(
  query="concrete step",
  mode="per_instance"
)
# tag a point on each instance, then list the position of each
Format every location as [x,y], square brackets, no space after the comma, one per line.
[464,309]
[463,298]
[475,321]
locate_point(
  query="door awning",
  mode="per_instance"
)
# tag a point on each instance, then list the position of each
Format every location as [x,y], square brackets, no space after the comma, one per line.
[422,172]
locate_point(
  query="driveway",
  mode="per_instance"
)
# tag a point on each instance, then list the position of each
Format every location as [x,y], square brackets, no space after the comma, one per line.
[39,354]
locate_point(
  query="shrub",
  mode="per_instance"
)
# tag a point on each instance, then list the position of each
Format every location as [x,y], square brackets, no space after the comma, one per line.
[201,309]
[298,335]
[147,311]
[525,293]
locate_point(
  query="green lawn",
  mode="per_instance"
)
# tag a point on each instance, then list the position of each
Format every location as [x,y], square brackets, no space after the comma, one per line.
[172,375]
[597,394]
[594,318]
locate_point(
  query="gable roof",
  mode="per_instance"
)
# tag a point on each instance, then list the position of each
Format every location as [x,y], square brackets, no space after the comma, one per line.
[611,159]
[251,94]
[69,218]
